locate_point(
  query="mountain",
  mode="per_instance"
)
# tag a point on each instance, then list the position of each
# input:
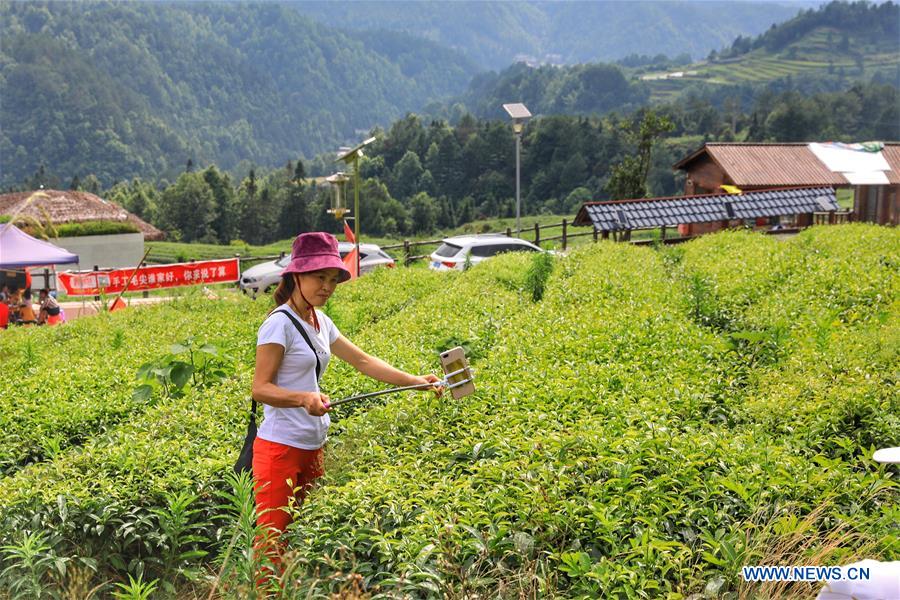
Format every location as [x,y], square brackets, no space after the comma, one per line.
[823,50]
[580,89]
[818,50]
[136,89]
[496,34]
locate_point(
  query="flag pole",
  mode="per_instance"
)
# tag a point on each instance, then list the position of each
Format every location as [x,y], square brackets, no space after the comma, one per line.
[131,278]
[356,207]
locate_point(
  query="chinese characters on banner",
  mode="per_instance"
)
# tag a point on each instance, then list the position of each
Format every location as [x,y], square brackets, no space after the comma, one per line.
[112,281]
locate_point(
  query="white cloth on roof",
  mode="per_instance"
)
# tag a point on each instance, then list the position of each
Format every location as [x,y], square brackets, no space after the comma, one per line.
[841,159]
[860,167]
[868,178]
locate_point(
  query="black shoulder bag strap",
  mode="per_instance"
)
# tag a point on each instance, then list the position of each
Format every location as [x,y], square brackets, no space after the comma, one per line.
[245,460]
[311,347]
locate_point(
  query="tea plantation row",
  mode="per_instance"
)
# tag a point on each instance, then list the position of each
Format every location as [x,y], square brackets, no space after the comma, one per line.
[657,420]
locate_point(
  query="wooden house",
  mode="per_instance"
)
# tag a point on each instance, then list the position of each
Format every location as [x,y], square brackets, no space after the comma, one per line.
[755,166]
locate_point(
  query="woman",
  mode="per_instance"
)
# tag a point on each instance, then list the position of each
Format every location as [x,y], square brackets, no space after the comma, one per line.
[49,310]
[288,451]
[26,310]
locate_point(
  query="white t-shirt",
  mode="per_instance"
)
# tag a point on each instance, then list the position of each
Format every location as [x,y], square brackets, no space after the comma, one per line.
[294,426]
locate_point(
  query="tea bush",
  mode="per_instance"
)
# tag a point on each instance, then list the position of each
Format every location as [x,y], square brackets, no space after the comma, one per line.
[619,445]
[657,420]
[64,385]
[99,497]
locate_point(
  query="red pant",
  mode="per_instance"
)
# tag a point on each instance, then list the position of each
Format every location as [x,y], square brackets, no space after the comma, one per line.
[282,472]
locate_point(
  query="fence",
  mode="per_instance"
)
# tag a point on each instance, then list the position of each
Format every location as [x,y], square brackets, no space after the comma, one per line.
[565,236]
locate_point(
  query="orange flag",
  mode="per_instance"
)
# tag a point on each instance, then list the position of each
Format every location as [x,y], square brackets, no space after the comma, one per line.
[350,263]
[350,260]
[348,233]
[119,304]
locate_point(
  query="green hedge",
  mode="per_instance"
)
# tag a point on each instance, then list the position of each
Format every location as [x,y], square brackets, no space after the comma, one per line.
[619,445]
[95,228]
[657,420]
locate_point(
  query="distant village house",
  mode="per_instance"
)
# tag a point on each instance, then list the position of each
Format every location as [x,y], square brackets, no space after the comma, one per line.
[871,178]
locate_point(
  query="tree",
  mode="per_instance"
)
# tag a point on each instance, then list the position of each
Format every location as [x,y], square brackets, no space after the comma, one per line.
[225,223]
[187,209]
[424,213]
[299,172]
[443,160]
[628,179]
[91,184]
[138,197]
[295,216]
[576,199]
[381,214]
[466,211]
[249,224]
[793,119]
[407,174]
[573,174]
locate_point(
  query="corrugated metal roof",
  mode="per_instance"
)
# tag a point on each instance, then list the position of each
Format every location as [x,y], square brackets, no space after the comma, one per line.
[617,215]
[891,154]
[768,165]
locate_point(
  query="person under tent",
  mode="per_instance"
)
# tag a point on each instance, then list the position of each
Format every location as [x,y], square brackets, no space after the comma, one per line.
[49,311]
[25,311]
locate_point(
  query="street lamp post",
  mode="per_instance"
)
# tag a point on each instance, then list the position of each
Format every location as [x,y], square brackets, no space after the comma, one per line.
[349,156]
[519,115]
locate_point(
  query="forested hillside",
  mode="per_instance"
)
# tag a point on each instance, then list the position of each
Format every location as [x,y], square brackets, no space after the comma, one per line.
[137,89]
[818,50]
[107,92]
[824,50]
[427,175]
[496,34]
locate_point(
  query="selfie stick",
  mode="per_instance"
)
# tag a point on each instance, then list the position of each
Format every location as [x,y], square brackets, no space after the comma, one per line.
[444,383]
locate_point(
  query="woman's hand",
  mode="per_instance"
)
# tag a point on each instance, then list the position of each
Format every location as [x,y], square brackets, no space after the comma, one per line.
[316,404]
[430,378]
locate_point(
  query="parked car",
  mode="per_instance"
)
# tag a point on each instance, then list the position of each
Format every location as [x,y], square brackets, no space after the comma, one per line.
[264,277]
[455,252]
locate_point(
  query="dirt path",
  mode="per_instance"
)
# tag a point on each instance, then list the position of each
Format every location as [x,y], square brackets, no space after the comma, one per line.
[77,309]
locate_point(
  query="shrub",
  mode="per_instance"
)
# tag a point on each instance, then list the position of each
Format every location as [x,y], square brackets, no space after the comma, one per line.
[618,444]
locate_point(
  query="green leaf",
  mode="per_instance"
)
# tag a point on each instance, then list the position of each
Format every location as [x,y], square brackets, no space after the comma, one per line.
[181,374]
[142,393]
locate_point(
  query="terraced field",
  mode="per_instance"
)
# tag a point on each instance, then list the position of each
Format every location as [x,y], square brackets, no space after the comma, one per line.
[816,53]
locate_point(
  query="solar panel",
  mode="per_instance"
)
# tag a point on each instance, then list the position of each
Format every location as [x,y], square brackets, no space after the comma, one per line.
[516,111]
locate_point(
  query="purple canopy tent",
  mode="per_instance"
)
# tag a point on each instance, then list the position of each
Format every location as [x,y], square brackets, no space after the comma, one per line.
[18,249]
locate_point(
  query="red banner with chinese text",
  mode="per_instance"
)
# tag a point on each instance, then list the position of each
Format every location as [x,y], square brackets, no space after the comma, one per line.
[112,281]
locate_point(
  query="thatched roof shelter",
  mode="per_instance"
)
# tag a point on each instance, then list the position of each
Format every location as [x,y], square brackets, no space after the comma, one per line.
[74,207]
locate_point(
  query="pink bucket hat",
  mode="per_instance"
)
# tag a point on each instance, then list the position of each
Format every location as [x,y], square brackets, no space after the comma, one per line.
[315,251]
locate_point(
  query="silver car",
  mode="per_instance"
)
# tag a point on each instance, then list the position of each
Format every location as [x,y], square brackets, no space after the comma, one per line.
[264,277]
[456,252]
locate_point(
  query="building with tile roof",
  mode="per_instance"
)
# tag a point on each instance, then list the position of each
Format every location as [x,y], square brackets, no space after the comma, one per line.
[718,210]
[754,166]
